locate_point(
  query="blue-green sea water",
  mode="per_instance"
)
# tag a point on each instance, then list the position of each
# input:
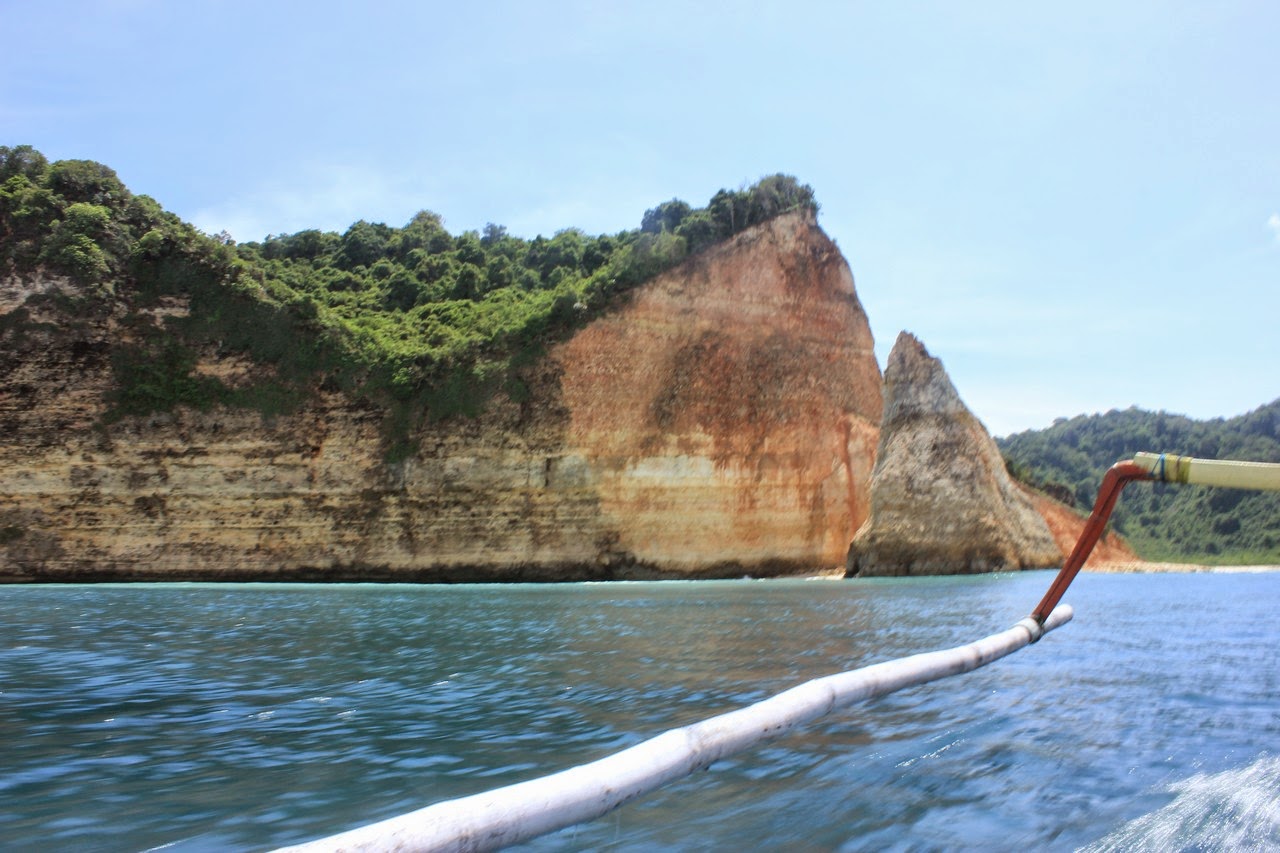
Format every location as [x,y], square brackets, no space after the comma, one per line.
[212,717]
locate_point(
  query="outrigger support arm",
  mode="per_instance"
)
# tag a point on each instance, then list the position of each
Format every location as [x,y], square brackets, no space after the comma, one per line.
[1159,467]
[1116,478]
[1263,476]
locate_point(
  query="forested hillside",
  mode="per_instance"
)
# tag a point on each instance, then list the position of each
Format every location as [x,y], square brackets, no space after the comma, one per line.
[421,321]
[1162,522]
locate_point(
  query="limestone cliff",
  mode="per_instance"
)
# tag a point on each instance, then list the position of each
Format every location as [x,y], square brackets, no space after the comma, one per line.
[722,420]
[941,499]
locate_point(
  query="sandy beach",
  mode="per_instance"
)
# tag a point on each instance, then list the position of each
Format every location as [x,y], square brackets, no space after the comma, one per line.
[1118,567]
[1142,567]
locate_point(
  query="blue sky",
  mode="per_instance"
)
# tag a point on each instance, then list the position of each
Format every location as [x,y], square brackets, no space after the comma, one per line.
[1075,206]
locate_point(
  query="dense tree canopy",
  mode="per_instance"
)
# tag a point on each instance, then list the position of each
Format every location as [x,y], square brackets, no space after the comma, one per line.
[1164,522]
[425,321]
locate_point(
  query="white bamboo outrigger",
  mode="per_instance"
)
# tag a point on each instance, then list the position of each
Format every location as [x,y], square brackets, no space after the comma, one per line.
[519,812]
[526,810]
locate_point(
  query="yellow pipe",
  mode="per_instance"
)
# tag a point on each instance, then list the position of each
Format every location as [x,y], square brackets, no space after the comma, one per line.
[1210,472]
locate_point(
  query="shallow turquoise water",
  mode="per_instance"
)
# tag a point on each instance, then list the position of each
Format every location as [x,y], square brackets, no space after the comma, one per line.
[209,717]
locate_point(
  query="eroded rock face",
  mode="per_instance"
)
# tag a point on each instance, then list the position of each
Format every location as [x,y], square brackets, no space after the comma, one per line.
[941,499]
[1066,526]
[722,421]
[730,410]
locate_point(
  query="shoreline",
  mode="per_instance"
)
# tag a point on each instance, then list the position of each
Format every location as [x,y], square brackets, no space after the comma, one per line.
[832,573]
[1118,567]
[1135,567]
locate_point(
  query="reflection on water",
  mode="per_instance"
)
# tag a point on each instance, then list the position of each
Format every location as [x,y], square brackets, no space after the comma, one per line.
[208,717]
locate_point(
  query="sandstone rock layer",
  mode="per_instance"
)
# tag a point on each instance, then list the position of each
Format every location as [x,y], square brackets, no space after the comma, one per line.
[941,499]
[723,420]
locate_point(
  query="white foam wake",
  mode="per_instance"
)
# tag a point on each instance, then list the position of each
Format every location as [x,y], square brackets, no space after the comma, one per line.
[1234,810]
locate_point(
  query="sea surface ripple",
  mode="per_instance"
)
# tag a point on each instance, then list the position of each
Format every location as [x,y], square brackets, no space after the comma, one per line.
[200,717]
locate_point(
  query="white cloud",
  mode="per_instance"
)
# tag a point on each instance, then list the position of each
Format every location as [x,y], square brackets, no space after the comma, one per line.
[1274,224]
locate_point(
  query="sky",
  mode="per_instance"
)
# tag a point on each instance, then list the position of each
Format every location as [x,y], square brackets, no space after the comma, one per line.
[1076,206]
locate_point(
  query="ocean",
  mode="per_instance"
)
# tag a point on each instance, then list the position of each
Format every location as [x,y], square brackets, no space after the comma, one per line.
[194,717]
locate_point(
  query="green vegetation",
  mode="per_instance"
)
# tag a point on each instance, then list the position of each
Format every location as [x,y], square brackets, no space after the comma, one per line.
[1164,522]
[424,322]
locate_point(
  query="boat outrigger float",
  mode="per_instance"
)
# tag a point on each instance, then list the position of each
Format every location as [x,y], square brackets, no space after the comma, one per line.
[519,812]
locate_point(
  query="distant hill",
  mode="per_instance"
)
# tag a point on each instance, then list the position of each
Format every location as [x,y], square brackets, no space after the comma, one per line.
[1175,523]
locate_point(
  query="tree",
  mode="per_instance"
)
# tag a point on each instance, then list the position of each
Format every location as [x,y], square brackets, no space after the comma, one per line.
[492,235]
[698,230]
[596,253]
[87,181]
[563,250]
[469,250]
[362,244]
[403,291]
[649,255]
[777,194]
[74,244]
[665,217]
[27,211]
[500,272]
[729,212]
[468,283]
[22,160]
[309,244]
[425,231]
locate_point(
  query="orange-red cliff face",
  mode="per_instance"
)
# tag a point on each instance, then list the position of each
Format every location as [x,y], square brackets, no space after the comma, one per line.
[723,420]
[729,411]
[1066,525]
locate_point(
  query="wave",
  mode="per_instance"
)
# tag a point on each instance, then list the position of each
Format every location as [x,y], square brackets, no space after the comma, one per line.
[1237,809]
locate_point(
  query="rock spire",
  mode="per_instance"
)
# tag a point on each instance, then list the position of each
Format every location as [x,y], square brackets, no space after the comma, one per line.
[941,499]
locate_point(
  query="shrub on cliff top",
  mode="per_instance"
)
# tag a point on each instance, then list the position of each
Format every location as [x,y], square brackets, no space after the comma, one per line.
[426,321]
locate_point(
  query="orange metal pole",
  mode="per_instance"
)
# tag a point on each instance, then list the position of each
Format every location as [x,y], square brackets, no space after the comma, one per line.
[1117,477]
